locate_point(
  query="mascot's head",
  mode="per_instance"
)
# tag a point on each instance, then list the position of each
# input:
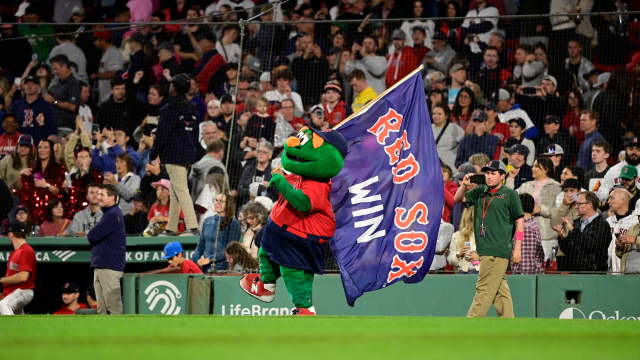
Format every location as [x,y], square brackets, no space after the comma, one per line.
[316,154]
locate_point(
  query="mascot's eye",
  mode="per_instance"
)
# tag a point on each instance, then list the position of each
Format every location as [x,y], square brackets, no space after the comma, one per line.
[303,139]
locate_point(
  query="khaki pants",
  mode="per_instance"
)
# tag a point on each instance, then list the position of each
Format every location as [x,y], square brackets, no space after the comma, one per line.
[492,288]
[107,285]
[180,198]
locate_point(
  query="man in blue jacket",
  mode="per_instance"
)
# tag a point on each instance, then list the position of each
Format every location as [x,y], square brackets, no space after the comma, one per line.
[175,145]
[108,252]
[478,142]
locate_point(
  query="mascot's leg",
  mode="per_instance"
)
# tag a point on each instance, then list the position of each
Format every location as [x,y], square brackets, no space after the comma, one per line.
[299,284]
[262,286]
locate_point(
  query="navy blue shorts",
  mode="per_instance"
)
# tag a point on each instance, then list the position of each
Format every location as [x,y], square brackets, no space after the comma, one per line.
[288,249]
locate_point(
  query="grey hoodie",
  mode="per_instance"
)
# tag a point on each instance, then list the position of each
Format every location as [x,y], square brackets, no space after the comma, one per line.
[198,175]
[443,58]
[83,221]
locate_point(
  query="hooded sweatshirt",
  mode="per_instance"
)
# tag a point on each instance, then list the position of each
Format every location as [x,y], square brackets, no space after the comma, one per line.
[84,221]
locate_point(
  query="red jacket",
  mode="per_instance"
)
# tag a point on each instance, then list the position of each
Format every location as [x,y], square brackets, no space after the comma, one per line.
[450,189]
[8,144]
[340,112]
[205,74]
[404,62]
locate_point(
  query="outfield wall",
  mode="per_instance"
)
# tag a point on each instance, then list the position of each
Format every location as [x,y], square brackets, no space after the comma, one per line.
[598,296]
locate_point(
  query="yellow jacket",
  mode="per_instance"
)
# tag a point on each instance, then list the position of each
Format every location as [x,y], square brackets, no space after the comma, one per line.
[363,98]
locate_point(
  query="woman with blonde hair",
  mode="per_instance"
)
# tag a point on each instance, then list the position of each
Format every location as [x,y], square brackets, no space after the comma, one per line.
[462,251]
[238,258]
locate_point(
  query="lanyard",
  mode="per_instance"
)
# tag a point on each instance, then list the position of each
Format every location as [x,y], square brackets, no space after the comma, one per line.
[484,211]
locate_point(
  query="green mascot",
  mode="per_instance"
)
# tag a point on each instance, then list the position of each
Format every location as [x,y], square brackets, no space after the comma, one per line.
[302,221]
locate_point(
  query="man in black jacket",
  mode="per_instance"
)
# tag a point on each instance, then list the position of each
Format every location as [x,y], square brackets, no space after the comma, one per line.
[585,248]
[175,144]
[553,134]
[118,111]
[546,101]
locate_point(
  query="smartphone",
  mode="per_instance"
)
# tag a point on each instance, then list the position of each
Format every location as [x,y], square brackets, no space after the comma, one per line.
[152,120]
[477,179]
[471,38]
[34,57]
[17,81]
[37,176]
[617,235]
[574,197]
[95,128]
[529,91]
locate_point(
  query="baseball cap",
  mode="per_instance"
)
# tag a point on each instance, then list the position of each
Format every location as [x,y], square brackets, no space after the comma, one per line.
[25,139]
[518,149]
[182,83]
[552,119]
[102,34]
[419,28]
[255,85]
[172,249]
[631,142]
[333,85]
[553,150]
[265,76]
[32,79]
[334,138]
[398,34]
[437,77]
[464,169]
[207,35]
[226,98]
[503,95]
[634,60]
[480,115]
[518,121]
[22,208]
[162,182]
[18,227]
[316,107]
[281,60]
[257,189]
[167,46]
[137,195]
[456,67]
[139,38]
[495,165]
[591,73]
[70,288]
[440,36]
[571,183]
[91,291]
[602,78]
[628,172]
[491,106]
[265,201]
[77,10]
[551,78]
[253,63]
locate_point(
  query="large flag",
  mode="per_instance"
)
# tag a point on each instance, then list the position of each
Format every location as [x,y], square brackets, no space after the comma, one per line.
[388,197]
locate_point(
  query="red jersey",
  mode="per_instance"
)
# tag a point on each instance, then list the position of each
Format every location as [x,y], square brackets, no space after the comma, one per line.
[189,267]
[8,144]
[163,210]
[66,311]
[399,65]
[501,131]
[319,220]
[21,259]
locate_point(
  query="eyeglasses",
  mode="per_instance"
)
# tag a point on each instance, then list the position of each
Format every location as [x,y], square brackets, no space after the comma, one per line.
[286,107]
[579,203]
[626,180]
[464,96]
[262,152]
[220,201]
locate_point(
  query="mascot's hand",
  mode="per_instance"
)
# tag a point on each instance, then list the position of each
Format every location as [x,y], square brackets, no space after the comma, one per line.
[277,180]
[297,198]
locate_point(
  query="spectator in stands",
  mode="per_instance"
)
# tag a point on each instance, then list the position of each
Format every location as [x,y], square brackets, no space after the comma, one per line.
[318,118]
[629,179]
[625,244]
[283,91]
[84,110]
[218,230]
[533,29]
[256,216]
[21,158]
[175,144]
[227,108]
[544,190]
[238,258]
[441,55]
[32,15]
[85,220]
[73,53]
[532,252]
[517,131]
[496,128]
[462,251]
[216,182]
[572,172]
[118,109]
[200,170]
[138,62]
[110,63]
[528,72]
[54,224]
[135,221]
[286,123]
[112,143]
[22,214]
[418,37]
[621,219]
[445,233]
[450,188]
[585,246]
[478,142]
[402,61]
[592,80]
[41,182]
[166,55]
[9,140]
[260,126]
[555,153]
[571,120]
[446,134]
[70,296]
[588,124]
[92,302]
[32,110]
[521,172]
[546,101]
[491,77]
[593,179]
[159,212]
[125,181]
[312,70]
[257,171]
[566,209]
[458,75]
[613,100]
[226,46]
[510,111]
[553,135]
[185,42]
[65,96]
[577,64]
[209,62]
[612,177]
[335,109]
[464,105]
[477,23]
[364,92]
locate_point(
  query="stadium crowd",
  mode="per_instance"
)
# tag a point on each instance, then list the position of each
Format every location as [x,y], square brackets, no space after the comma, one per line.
[187,122]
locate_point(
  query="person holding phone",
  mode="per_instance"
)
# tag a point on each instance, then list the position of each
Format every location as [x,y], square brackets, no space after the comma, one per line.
[478,142]
[497,214]
[567,209]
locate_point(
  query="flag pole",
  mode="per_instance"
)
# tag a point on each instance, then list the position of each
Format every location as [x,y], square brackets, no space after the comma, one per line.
[370,103]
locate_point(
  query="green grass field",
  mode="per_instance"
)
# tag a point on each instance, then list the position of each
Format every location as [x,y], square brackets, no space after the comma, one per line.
[216,337]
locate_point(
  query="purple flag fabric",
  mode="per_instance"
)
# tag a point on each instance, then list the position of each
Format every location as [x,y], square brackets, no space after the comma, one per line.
[388,198]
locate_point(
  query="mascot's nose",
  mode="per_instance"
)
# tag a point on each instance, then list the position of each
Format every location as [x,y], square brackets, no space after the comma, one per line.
[293,141]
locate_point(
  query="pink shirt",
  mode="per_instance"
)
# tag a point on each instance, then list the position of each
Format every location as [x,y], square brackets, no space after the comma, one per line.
[538,185]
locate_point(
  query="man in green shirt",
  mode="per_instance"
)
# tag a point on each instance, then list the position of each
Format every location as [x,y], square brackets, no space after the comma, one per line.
[497,211]
[40,45]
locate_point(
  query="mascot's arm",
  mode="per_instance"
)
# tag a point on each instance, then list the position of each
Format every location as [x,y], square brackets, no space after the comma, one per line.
[295,197]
